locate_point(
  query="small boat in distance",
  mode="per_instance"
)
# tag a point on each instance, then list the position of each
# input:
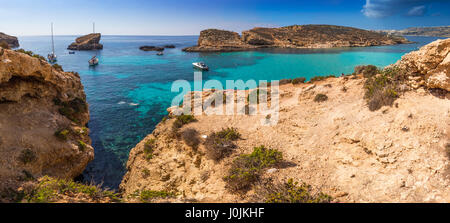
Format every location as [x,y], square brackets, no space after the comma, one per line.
[200,66]
[160,53]
[71,52]
[93,61]
[52,56]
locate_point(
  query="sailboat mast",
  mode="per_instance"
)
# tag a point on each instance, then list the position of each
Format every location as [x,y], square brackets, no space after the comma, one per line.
[53,42]
[93,27]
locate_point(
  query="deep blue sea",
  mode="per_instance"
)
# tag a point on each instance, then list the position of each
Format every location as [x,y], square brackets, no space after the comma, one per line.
[129,91]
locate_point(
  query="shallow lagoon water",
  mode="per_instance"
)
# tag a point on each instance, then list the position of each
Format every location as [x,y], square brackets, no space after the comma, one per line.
[129,91]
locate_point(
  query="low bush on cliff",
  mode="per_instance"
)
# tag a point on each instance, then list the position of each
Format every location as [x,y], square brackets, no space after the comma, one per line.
[246,169]
[150,195]
[62,134]
[82,146]
[191,137]
[149,148]
[299,80]
[51,190]
[320,78]
[180,121]
[71,109]
[30,53]
[219,144]
[367,71]
[27,156]
[320,98]
[383,89]
[57,67]
[292,192]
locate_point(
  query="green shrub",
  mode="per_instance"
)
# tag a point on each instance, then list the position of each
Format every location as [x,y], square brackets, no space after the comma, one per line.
[72,109]
[149,148]
[62,134]
[149,195]
[49,189]
[320,78]
[27,156]
[257,92]
[191,137]
[246,169]
[447,149]
[57,67]
[292,192]
[298,80]
[229,134]
[217,147]
[320,98]
[383,89]
[30,53]
[81,146]
[367,71]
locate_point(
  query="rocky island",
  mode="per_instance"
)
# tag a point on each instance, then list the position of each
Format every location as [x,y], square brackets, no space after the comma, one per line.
[437,31]
[87,42]
[297,36]
[12,41]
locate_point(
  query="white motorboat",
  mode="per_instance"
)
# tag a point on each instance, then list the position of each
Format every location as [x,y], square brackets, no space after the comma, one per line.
[200,65]
[160,53]
[93,61]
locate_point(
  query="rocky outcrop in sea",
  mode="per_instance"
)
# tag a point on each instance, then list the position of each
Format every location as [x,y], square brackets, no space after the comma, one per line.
[305,36]
[87,42]
[12,41]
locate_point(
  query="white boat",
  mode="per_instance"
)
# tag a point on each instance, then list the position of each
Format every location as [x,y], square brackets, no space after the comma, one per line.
[200,65]
[52,56]
[160,53]
[93,61]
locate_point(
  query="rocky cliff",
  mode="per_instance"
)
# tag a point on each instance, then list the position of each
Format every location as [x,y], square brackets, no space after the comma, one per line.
[328,138]
[87,42]
[43,118]
[12,41]
[306,36]
[439,31]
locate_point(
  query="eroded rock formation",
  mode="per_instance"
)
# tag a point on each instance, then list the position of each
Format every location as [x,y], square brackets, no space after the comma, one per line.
[87,42]
[12,41]
[306,36]
[43,117]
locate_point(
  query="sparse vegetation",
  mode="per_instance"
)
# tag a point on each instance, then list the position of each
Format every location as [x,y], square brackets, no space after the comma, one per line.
[293,192]
[383,89]
[149,195]
[229,134]
[49,190]
[149,148]
[57,67]
[219,145]
[367,71]
[320,98]
[62,134]
[180,121]
[191,137]
[81,146]
[246,169]
[27,156]
[31,54]
[72,108]
[299,80]
[320,78]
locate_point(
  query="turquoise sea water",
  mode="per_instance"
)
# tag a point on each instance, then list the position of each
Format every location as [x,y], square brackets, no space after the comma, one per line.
[129,91]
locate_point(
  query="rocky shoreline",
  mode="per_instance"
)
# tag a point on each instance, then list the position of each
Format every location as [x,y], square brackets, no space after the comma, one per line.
[12,41]
[295,37]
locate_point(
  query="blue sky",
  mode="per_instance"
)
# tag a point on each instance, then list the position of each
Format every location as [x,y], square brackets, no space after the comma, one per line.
[189,17]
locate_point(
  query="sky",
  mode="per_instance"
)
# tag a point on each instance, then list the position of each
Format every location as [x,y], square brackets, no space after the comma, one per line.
[189,17]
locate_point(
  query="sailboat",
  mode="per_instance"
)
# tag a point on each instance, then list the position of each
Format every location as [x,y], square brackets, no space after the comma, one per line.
[52,57]
[94,60]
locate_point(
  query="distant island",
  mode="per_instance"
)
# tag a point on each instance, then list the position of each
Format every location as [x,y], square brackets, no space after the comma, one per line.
[296,36]
[12,41]
[438,31]
[87,42]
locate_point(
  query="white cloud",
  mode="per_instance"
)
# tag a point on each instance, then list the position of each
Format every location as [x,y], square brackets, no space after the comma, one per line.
[417,11]
[385,8]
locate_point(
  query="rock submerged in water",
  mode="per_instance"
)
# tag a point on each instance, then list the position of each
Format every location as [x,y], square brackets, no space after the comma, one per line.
[151,48]
[87,42]
[305,36]
[12,41]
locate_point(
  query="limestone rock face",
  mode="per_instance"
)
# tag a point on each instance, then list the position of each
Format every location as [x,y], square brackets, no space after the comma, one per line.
[87,42]
[429,66]
[12,41]
[307,36]
[43,114]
